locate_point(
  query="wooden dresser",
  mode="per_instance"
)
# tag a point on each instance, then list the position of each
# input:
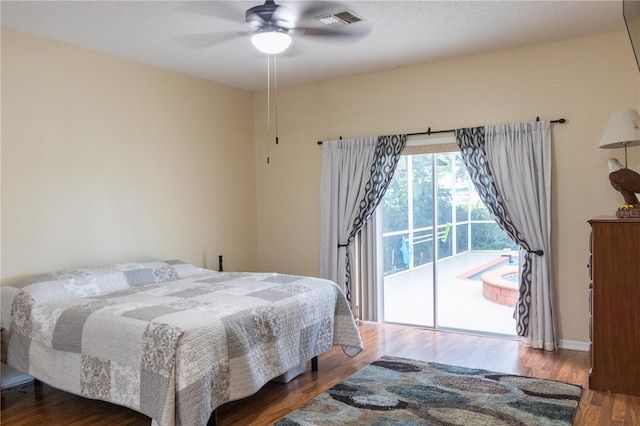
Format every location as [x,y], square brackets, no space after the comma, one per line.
[615,305]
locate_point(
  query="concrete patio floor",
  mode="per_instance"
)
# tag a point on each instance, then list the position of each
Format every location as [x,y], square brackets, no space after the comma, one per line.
[408,297]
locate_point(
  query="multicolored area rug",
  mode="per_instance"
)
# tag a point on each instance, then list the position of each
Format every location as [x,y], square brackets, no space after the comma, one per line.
[398,391]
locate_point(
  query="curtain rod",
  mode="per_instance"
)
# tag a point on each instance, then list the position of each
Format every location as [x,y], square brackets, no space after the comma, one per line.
[433,132]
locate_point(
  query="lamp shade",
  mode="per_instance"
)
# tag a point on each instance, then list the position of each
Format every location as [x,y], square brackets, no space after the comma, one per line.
[622,130]
[271,42]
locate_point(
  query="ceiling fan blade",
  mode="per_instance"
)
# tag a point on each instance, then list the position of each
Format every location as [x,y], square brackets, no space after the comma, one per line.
[254,20]
[204,40]
[308,10]
[347,33]
[284,16]
[285,24]
[296,32]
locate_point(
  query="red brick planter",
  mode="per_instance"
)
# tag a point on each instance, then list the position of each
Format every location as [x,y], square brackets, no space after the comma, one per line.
[496,289]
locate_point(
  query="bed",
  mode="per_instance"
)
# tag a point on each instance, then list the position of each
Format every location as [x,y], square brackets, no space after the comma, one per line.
[169,339]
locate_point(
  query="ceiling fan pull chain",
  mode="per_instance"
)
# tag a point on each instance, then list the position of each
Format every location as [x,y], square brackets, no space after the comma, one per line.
[268,102]
[275,90]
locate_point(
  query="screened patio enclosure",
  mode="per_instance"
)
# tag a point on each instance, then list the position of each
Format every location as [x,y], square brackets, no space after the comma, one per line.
[438,239]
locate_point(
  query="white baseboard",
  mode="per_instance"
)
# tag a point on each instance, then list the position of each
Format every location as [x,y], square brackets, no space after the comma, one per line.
[574,345]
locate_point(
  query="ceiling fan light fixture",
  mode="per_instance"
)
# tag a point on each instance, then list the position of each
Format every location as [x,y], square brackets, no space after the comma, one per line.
[271,42]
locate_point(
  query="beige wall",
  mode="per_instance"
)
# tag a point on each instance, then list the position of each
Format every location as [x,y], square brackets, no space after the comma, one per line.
[106,160]
[582,80]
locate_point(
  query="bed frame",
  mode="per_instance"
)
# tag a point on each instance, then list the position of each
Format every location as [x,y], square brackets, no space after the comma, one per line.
[213,420]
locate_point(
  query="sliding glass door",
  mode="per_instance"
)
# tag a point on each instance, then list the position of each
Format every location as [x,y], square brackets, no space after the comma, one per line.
[438,240]
[407,218]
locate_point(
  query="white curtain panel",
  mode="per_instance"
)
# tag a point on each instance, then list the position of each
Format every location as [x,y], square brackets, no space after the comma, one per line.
[355,176]
[345,171]
[369,286]
[519,156]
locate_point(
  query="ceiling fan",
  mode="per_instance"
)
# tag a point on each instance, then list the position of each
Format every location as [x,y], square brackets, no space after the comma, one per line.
[272,26]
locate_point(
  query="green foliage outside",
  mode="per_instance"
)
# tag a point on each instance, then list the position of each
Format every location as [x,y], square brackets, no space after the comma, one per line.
[470,232]
[487,235]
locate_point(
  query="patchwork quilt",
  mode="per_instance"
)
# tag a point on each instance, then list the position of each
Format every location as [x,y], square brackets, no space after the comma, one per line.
[171,340]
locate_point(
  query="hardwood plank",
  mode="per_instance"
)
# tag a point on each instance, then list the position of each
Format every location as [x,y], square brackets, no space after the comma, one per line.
[633,411]
[48,406]
[619,408]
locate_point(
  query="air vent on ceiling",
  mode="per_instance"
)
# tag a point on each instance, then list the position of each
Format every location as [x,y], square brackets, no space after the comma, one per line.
[345,17]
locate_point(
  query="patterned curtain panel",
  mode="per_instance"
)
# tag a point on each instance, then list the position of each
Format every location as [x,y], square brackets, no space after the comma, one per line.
[355,176]
[510,166]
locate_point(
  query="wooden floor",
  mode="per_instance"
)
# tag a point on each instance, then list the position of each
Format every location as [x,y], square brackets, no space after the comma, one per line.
[43,405]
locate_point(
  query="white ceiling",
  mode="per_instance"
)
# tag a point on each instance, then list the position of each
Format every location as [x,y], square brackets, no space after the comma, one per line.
[187,36]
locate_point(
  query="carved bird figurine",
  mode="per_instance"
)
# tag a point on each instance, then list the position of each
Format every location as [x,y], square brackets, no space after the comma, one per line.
[626,181]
